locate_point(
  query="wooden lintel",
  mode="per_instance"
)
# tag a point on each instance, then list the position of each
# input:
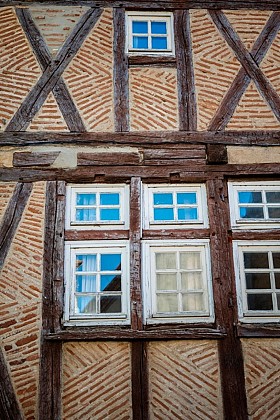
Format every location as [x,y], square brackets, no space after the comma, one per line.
[258,330]
[34,158]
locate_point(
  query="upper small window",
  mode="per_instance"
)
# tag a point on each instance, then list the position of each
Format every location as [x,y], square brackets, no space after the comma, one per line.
[174,206]
[149,33]
[99,205]
[255,204]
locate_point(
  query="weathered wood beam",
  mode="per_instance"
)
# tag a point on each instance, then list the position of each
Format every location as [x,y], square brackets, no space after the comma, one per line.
[121,83]
[185,72]
[64,99]
[140,381]
[242,80]
[9,407]
[246,138]
[230,350]
[34,159]
[157,4]
[12,217]
[247,61]
[51,75]
[257,330]
[151,61]
[216,154]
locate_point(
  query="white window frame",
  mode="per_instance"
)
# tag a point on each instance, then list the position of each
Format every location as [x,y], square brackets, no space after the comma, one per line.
[150,17]
[71,192]
[148,218]
[148,279]
[245,315]
[87,247]
[238,223]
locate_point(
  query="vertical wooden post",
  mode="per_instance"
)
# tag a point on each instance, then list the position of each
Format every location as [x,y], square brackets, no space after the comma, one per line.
[230,351]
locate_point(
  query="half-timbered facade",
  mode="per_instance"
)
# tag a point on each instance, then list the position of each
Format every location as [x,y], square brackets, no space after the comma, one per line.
[140,209]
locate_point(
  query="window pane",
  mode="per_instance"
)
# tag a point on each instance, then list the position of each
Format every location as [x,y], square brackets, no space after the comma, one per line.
[278,301]
[109,214]
[140,42]
[164,214]
[259,302]
[110,262]
[111,283]
[255,260]
[273,196]
[139,27]
[276,259]
[189,260]
[86,262]
[277,280]
[187,214]
[159,43]
[274,212]
[186,198]
[86,304]
[85,199]
[192,302]
[163,198]
[158,27]
[251,212]
[167,281]
[85,215]
[167,302]
[191,281]
[109,199]
[250,197]
[110,304]
[165,260]
[85,283]
[257,281]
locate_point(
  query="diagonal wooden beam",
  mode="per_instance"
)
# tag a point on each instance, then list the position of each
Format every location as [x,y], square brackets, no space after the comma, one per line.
[185,72]
[60,91]
[242,80]
[12,217]
[9,408]
[247,61]
[51,75]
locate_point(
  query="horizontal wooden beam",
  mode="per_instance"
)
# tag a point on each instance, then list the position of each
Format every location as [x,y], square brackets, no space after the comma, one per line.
[158,4]
[245,138]
[258,330]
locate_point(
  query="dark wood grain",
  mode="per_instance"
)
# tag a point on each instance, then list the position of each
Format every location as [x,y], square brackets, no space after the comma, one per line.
[34,158]
[46,83]
[151,61]
[109,158]
[247,61]
[139,379]
[121,93]
[241,82]
[9,407]
[93,235]
[185,72]
[12,217]
[258,330]
[64,100]
[216,153]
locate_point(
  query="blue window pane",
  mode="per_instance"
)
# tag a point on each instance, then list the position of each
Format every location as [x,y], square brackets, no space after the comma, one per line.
[164,214]
[251,212]
[250,197]
[109,214]
[86,199]
[163,198]
[158,28]
[186,198]
[109,199]
[85,283]
[85,215]
[86,263]
[110,262]
[86,304]
[159,43]
[139,27]
[110,304]
[111,283]
[187,214]
[140,42]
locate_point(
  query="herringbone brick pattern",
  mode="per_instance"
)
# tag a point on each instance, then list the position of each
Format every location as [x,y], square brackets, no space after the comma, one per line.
[6,192]
[153,99]
[90,76]
[49,117]
[20,303]
[262,371]
[96,381]
[19,68]
[184,380]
